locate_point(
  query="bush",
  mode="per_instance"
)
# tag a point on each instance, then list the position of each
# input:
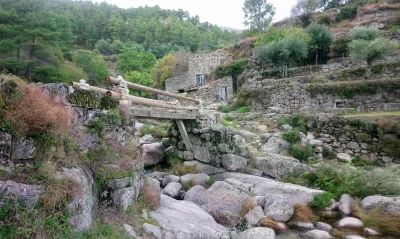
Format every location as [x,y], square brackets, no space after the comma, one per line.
[159,131]
[224,109]
[365,33]
[99,124]
[301,153]
[299,122]
[242,110]
[292,136]
[34,110]
[228,118]
[322,201]
[347,13]
[281,121]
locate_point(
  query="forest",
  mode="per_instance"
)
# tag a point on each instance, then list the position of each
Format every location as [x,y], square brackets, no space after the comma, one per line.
[64,40]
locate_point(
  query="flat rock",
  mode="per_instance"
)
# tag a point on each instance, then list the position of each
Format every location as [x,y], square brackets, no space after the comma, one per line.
[24,148]
[152,230]
[201,153]
[316,142]
[196,195]
[190,180]
[184,219]
[276,145]
[388,205]
[205,168]
[342,157]
[278,166]
[257,233]
[29,194]
[323,226]
[233,162]
[316,234]
[353,237]
[350,222]
[266,187]
[278,208]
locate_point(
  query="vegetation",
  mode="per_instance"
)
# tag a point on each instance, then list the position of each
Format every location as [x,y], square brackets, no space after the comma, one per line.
[365,33]
[303,7]
[302,213]
[322,201]
[258,14]
[233,69]
[321,39]
[158,131]
[302,153]
[275,34]
[243,109]
[291,136]
[102,230]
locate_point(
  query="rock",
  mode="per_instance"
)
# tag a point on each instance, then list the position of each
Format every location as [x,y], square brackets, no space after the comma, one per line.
[130,230]
[196,195]
[147,139]
[316,142]
[254,216]
[169,179]
[5,148]
[239,185]
[257,233]
[29,194]
[24,148]
[277,166]
[276,145]
[201,153]
[353,145]
[184,219]
[123,198]
[152,154]
[190,180]
[224,148]
[151,187]
[172,189]
[248,136]
[171,152]
[371,232]
[342,157]
[204,168]
[350,222]
[224,202]
[353,237]
[388,205]
[323,226]
[188,155]
[158,175]
[386,159]
[152,230]
[304,226]
[265,187]
[316,234]
[286,127]
[370,158]
[83,205]
[260,200]
[233,162]
[278,208]
[253,171]
[266,136]
[166,142]
[346,204]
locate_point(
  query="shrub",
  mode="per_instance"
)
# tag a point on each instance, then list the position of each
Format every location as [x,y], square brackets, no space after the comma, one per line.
[211,181]
[224,109]
[243,109]
[34,110]
[292,136]
[325,19]
[100,123]
[347,13]
[281,121]
[228,118]
[298,121]
[322,201]
[103,230]
[301,153]
[362,137]
[365,33]
[357,162]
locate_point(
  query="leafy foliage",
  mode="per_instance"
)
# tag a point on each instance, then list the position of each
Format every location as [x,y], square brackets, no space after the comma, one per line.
[302,153]
[275,34]
[258,14]
[369,33]
[233,69]
[93,65]
[291,136]
[348,12]
[303,7]
[322,201]
[371,51]
[321,39]
[141,78]
[132,60]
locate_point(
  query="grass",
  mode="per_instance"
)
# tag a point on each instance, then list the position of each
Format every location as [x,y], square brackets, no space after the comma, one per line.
[302,213]
[301,153]
[224,109]
[373,114]
[102,230]
[243,109]
[212,179]
[266,222]
[159,131]
[322,201]
[291,136]
[384,223]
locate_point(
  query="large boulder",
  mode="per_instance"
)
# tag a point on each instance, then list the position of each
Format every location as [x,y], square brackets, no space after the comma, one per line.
[257,233]
[201,153]
[192,179]
[28,194]
[204,168]
[173,190]
[83,205]
[277,166]
[24,148]
[276,145]
[196,195]
[224,202]
[147,139]
[184,219]
[266,187]
[254,216]
[233,162]
[152,154]
[346,204]
[124,191]
[278,208]
[388,205]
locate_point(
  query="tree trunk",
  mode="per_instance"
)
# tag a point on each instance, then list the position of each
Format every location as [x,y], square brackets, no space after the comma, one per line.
[316,58]
[368,73]
[30,65]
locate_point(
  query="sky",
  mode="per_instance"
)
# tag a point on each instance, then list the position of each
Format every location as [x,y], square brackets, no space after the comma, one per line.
[225,13]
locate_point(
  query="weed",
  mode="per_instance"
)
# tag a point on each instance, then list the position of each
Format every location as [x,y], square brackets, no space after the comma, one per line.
[243,109]
[302,213]
[362,137]
[281,121]
[224,109]
[292,136]
[301,153]
[102,230]
[224,122]
[180,169]
[357,162]
[150,196]
[106,119]
[322,201]
[159,131]
[247,206]
[228,118]
[211,181]
[266,222]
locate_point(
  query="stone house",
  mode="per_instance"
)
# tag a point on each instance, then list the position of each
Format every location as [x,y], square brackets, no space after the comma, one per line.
[200,78]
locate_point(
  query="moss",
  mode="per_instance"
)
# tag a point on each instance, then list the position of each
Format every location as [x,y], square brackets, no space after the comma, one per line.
[362,137]
[378,69]
[107,103]
[84,98]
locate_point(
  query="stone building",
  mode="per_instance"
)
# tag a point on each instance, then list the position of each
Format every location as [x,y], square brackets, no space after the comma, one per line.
[200,72]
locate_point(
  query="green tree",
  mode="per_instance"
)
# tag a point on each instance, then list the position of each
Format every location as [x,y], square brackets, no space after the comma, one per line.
[258,14]
[93,65]
[303,7]
[365,33]
[233,69]
[284,52]
[141,78]
[371,51]
[275,34]
[132,60]
[164,69]
[321,39]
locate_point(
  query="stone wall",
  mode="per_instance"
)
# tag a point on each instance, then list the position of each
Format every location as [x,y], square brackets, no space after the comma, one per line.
[298,93]
[175,83]
[354,137]
[208,92]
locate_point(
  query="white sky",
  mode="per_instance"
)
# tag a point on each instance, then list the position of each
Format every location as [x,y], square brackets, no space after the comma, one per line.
[225,13]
